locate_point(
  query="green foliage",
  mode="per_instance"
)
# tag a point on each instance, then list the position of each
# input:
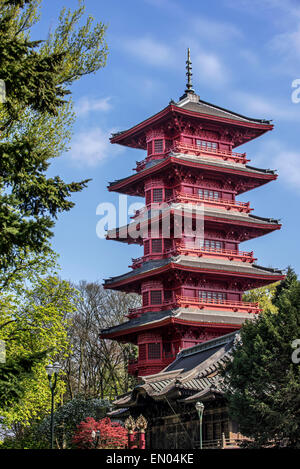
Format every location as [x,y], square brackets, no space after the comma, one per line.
[263,296]
[36,320]
[262,383]
[66,419]
[68,416]
[36,121]
[12,375]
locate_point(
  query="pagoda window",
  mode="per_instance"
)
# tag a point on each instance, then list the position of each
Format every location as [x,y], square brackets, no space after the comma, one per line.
[212,295]
[213,244]
[209,194]
[156,297]
[157,195]
[142,352]
[158,146]
[156,245]
[154,351]
[145,298]
[207,145]
[146,247]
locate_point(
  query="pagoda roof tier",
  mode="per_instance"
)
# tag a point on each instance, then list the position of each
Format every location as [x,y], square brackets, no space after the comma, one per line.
[193,375]
[256,275]
[181,316]
[245,177]
[192,109]
[250,225]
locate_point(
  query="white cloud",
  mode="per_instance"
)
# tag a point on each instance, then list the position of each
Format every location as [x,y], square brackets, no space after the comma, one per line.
[287,44]
[216,31]
[86,104]
[258,106]
[150,51]
[286,160]
[208,68]
[91,147]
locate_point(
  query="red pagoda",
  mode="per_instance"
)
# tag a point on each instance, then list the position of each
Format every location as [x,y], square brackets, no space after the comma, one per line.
[191,288]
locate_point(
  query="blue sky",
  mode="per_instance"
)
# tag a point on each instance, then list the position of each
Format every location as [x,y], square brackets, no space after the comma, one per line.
[245,54]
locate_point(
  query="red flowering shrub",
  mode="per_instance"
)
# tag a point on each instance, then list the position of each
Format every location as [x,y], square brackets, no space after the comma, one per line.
[112,434]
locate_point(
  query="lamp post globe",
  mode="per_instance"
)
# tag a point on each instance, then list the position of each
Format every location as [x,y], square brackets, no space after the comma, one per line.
[52,372]
[200,409]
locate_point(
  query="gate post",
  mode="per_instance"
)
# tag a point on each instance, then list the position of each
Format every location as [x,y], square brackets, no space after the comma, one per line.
[141,425]
[130,426]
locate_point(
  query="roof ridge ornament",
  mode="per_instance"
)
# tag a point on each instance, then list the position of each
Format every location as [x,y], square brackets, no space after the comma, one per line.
[189,93]
[189,86]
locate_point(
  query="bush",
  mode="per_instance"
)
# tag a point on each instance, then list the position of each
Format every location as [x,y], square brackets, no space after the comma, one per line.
[112,434]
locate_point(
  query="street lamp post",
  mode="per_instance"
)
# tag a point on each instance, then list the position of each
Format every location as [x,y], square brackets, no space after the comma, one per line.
[52,372]
[200,408]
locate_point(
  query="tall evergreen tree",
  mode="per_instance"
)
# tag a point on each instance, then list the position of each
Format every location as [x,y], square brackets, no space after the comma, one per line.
[36,121]
[262,382]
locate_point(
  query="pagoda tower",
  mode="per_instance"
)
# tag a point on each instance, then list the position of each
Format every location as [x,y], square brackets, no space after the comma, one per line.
[191,287]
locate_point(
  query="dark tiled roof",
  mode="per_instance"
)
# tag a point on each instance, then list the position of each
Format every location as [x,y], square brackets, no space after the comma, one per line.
[190,361]
[195,370]
[184,314]
[203,107]
[213,162]
[139,321]
[187,261]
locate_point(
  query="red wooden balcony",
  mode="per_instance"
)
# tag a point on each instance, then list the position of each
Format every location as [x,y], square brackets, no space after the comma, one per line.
[137,312]
[210,303]
[201,303]
[225,155]
[217,203]
[243,256]
[186,148]
[227,254]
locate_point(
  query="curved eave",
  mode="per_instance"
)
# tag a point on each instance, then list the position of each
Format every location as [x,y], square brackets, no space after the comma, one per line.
[173,109]
[247,223]
[125,184]
[268,278]
[165,322]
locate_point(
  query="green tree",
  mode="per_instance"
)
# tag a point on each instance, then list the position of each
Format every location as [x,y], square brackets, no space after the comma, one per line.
[36,121]
[264,296]
[98,368]
[262,382]
[35,330]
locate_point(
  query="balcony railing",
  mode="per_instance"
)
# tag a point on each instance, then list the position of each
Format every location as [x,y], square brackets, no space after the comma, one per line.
[210,152]
[236,306]
[137,312]
[222,203]
[186,148]
[195,198]
[242,256]
[201,303]
[221,443]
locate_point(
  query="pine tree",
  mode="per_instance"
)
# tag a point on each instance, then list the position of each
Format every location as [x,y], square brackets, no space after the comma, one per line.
[36,121]
[262,383]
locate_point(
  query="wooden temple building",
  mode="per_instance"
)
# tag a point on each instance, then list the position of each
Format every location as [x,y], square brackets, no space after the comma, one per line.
[191,281]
